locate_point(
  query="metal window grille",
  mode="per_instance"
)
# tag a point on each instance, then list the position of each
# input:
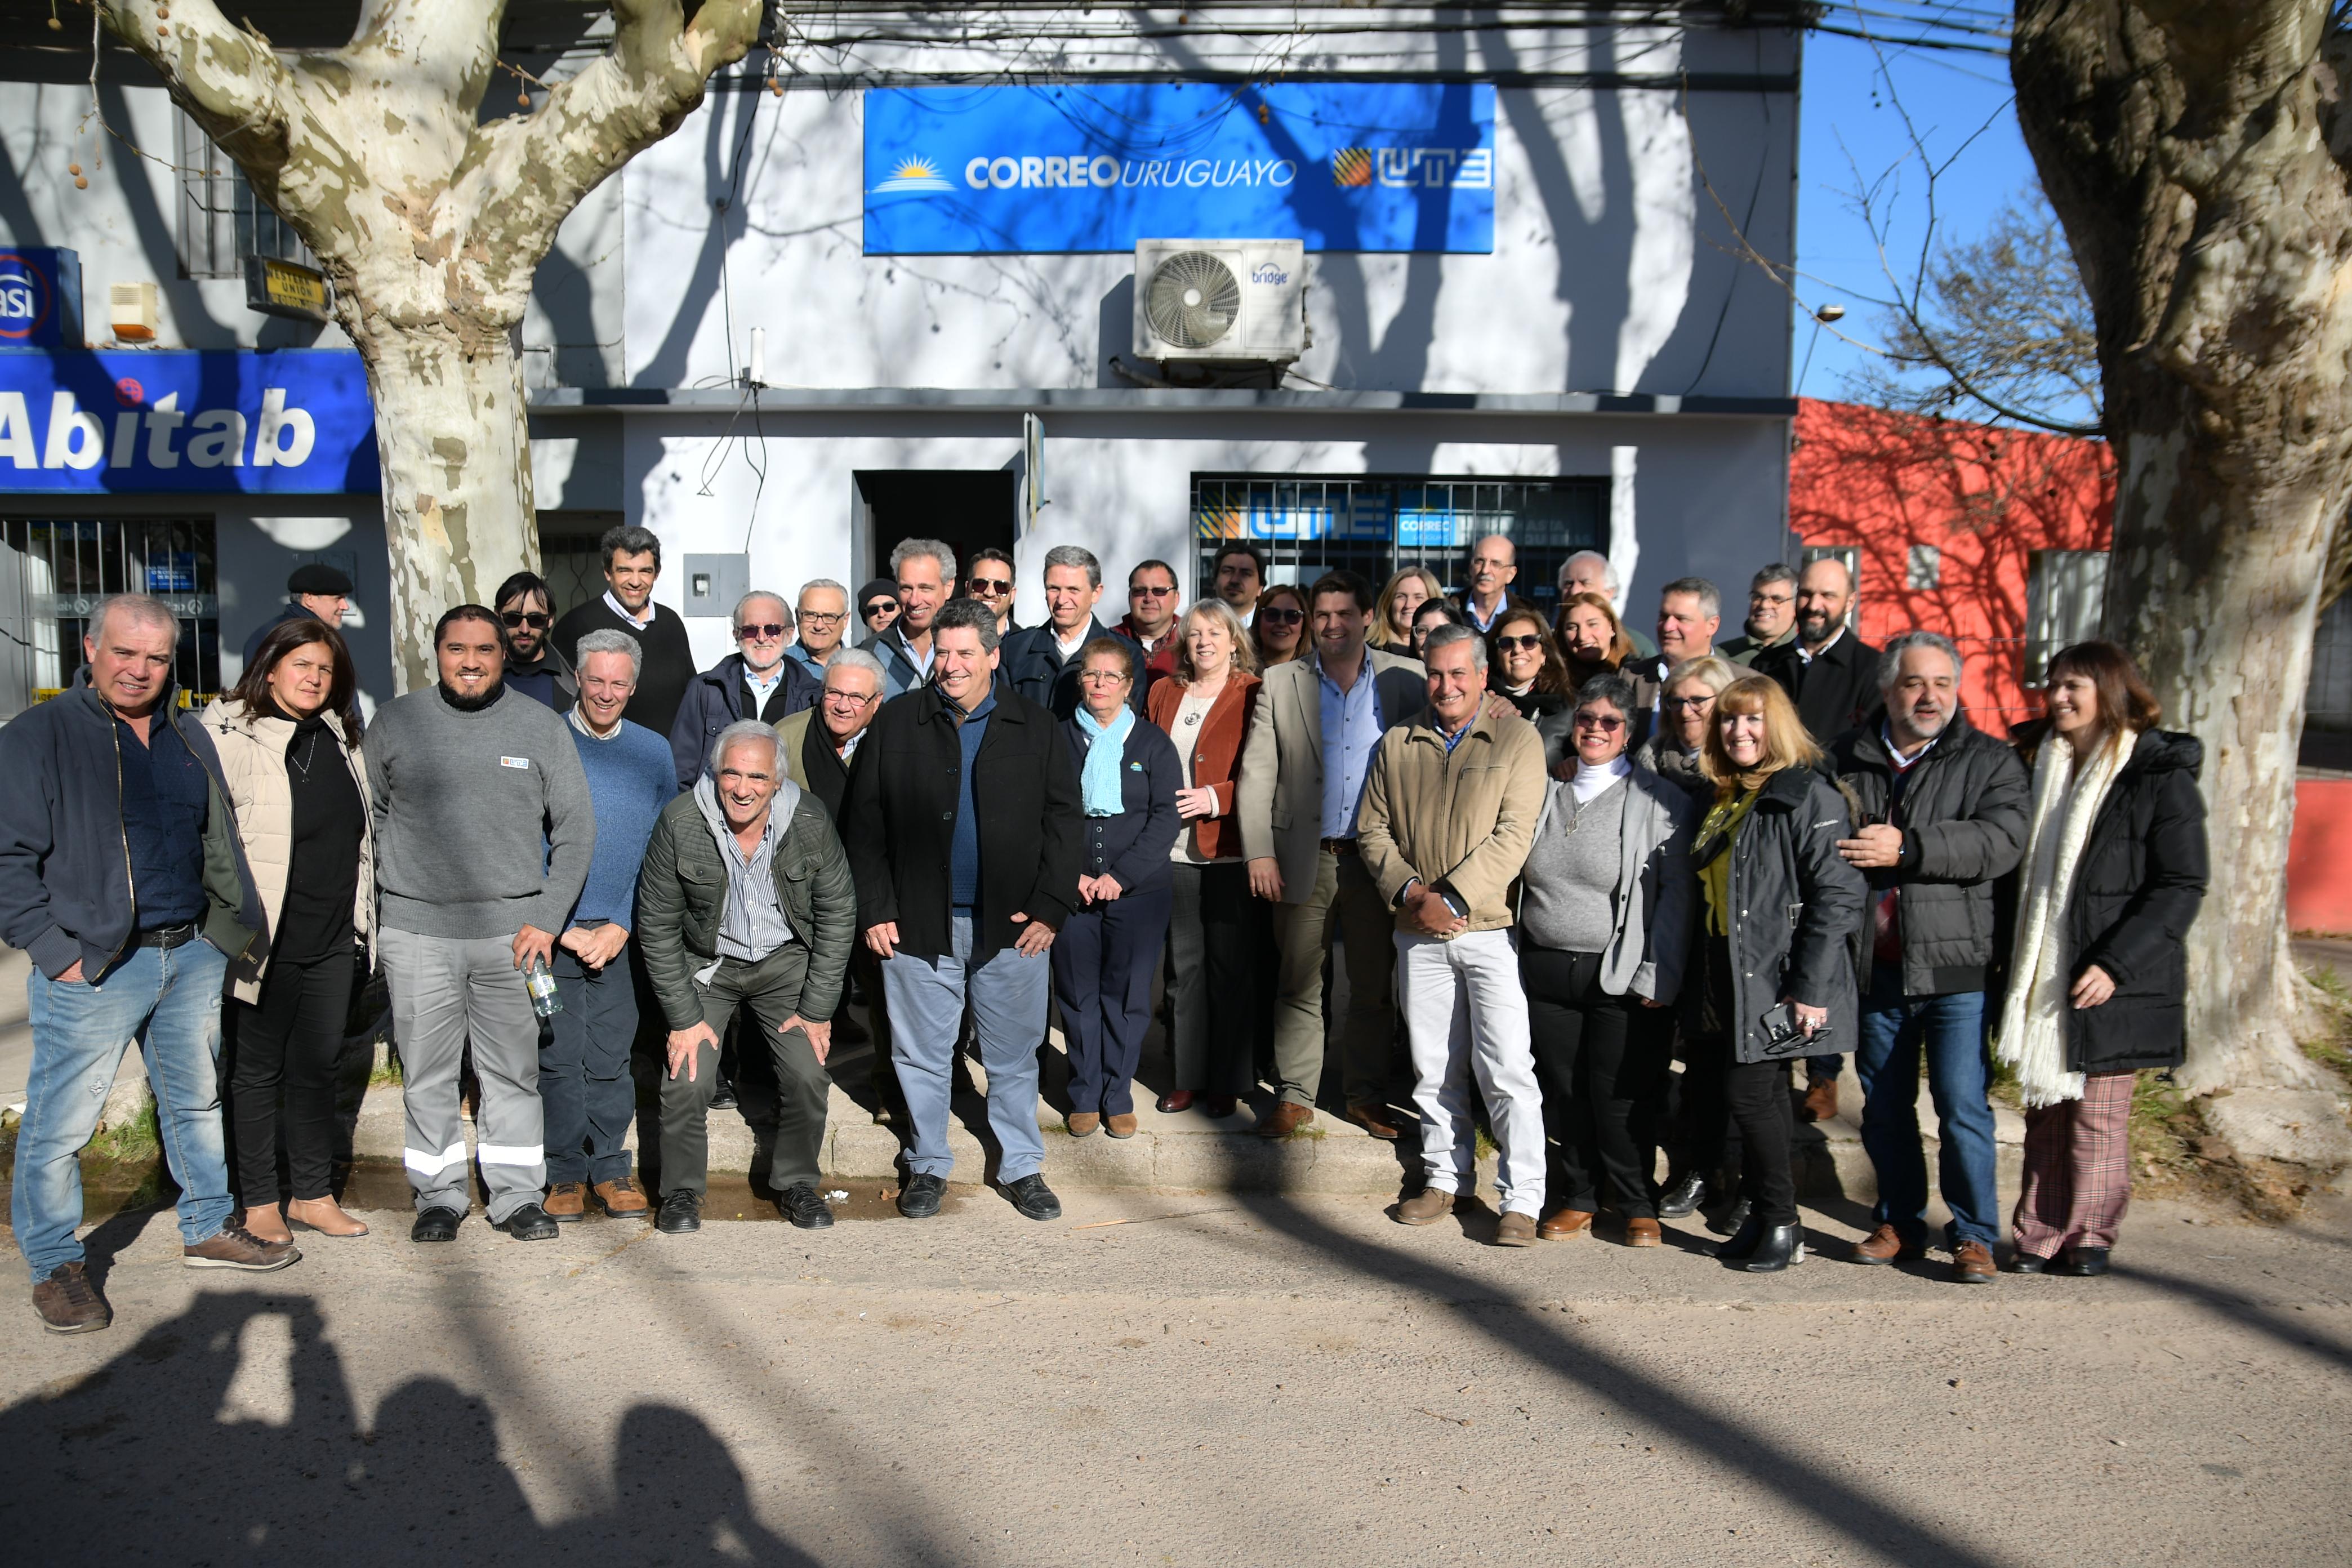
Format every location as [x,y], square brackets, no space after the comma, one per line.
[568,556]
[2065,593]
[1376,525]
[222,221]
[53,573]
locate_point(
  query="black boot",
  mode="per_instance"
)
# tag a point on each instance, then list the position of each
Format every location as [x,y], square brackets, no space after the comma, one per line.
[1729,1219]
[2082,1262]
[1742,1245]
[1776,1248]
[1681,1200]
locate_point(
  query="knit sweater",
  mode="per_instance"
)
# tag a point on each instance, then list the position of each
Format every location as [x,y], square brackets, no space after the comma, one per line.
[963,860]
[483,823]
[630,779]
[669,657]
[1569,900]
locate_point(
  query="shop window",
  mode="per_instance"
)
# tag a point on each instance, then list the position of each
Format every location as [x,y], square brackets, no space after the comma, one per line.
[54,572]
[2065,593]
[222,219]
[1376,525]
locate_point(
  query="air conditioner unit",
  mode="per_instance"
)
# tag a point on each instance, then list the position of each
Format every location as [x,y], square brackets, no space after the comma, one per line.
[1221,300]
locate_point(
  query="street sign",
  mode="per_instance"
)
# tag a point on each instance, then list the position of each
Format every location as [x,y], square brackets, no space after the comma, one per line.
[279,288]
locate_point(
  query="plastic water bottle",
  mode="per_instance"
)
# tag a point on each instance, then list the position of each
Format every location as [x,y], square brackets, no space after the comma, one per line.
[540,981]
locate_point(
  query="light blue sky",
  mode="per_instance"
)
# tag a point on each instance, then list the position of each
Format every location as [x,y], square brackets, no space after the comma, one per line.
[1847,112]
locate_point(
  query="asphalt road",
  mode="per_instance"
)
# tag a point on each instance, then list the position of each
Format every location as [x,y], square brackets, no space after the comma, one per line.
[1217,1381]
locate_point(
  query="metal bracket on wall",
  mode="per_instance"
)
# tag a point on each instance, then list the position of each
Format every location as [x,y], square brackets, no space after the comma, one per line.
[1032,472]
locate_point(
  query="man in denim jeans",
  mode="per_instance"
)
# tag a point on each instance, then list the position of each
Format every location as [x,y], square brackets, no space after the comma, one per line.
[1944,809]
[122,877]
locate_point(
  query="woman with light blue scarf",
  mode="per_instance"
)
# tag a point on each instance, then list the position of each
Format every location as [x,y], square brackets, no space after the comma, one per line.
[1104,959]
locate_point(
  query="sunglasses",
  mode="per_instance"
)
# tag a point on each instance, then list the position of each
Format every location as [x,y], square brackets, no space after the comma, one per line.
[515,619]
[760,630]
[991,585]
[1142,590]
[1607,723]
[1690,704]
[881,607]
[1518,645]
[1282,618]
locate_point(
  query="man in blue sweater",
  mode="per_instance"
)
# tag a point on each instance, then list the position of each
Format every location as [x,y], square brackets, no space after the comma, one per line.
[583,1060]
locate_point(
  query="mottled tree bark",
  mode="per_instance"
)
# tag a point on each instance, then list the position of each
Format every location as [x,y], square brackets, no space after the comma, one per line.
[2195,151]
[431,223]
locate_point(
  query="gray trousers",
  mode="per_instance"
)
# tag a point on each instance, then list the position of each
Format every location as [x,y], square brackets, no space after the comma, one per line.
[772,989]
[446,991]
[1007,996]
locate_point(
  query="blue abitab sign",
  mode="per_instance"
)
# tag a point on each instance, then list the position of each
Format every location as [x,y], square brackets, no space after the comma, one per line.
[1392,166]
[292,422]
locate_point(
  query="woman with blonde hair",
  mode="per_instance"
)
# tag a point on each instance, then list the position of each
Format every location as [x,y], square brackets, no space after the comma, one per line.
[1407,591]
[1685,714]
[2114,874]
[1772,955]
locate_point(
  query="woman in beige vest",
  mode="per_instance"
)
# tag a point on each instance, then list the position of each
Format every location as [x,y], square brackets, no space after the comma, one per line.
[287,737]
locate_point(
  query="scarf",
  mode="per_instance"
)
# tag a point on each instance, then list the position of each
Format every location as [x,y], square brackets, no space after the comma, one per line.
[1106,745]
[2067,796]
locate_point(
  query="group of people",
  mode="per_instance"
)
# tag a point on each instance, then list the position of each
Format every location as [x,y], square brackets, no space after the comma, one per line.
[1552,863]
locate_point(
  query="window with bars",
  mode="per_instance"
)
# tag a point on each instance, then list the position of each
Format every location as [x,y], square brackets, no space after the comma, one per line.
[54,572]
[2066,594]
[222,221]
[1375,525]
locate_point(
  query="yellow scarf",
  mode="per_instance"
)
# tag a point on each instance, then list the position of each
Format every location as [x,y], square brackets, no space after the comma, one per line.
[1716,835]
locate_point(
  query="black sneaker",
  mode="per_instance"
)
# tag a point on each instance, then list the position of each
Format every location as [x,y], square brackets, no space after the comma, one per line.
[921,1198]
[435,1225]
[1034,1198]
[69,1302]
[681,1211]
[529,1223]
[805,1207]
[723,1098]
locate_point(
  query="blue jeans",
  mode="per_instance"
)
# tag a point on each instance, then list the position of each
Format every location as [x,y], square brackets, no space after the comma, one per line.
[927,998]
[1894,1028]
[168,1000]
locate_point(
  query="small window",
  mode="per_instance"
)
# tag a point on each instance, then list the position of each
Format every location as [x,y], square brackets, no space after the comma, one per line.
[2066,594]
[1848,556]
[1925,572]
[222,221]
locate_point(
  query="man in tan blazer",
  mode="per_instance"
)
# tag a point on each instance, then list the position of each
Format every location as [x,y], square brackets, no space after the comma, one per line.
[1448,815]
[1302,774]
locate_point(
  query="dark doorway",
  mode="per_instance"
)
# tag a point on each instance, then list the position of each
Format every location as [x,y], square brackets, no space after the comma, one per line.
[964,509]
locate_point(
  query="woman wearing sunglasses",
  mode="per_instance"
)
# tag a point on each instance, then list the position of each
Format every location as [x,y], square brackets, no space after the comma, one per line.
[1279,628]
[877,607]
[1604,918]
[1529,671]
[1772,961]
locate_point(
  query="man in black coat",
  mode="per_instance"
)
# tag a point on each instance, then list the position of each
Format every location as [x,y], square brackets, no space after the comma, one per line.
[755,681]
[1945,812]
[1829,672]
[1041,663]
[962,822]
[632,561]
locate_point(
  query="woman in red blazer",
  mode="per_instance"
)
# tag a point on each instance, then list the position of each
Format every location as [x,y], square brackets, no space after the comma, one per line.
[1207,707]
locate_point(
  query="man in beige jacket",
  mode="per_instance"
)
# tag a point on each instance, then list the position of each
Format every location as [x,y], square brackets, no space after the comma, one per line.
[1448,815]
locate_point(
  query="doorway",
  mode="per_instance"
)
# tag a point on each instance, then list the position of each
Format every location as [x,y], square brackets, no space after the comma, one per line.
[964,509]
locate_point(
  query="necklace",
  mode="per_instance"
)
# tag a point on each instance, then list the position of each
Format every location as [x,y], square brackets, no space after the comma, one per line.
[302,765]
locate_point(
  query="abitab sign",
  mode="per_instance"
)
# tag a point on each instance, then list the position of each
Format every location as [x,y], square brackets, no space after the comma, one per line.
[295,422]
[1390,166]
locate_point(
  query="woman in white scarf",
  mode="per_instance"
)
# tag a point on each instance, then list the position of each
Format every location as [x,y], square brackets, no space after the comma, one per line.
[2113,871]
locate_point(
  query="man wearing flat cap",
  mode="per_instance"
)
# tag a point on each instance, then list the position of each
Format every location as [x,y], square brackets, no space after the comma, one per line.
[316,592]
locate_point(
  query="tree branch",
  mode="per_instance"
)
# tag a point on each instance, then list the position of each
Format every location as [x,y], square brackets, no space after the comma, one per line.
[224,76]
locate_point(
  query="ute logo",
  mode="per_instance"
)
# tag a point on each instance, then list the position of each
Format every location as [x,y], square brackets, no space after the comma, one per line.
[1405,168]
[24,298]
[918,173]
[1267,272]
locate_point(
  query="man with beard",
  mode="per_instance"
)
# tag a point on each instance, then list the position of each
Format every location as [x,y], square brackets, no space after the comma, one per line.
[533,666]
[1829,672]
[484,831]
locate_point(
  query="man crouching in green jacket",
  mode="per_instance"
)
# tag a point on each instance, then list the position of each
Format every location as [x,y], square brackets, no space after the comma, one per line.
[745,899]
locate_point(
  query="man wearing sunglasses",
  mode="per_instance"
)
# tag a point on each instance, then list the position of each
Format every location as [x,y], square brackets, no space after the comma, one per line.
[1150,621]
[989,578]
[534,667]
[755,681]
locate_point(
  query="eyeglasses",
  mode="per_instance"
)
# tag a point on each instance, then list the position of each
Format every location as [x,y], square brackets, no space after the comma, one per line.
[1281,618]
[1145,590]
[1691,704]
[1607,723]
[1518,645]
[535,620]
[822,618]
[881,607]
[992,586]
[1106,677]
[751,629]
[851,697]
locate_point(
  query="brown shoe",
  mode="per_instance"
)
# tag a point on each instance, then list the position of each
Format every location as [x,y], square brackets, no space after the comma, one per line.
[1515,1229]
[1643,1233]
[266,1222]
[68,1302]
[622,1198]
[1426,1206]
[1884,1245]
[1120,1126]
[1287,1117]
[1375,1120]
[1972,1263]
[1082,1123]
[324,1216]
[1820,1099]
[566,1201]
[1563,1224]
[237,1248]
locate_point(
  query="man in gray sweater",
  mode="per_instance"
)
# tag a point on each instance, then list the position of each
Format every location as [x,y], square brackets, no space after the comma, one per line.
[483,834]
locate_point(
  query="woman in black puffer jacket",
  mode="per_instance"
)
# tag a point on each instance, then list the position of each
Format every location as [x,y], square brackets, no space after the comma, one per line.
[2113,876]
[1777,925]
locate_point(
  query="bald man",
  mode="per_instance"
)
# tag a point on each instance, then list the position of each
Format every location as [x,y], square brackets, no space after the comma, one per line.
[1493,565]
[1828,671]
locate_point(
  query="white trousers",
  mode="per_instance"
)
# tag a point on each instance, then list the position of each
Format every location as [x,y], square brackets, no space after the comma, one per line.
[1466,1012]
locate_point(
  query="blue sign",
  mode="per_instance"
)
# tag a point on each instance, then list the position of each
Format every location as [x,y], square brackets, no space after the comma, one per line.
[292,422]
[1397,166]
[41,299]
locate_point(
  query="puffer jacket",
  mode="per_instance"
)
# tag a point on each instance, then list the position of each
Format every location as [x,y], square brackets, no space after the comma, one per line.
[252,749]
[1796,912]
[1965,813]
[1463,819]
[682,889]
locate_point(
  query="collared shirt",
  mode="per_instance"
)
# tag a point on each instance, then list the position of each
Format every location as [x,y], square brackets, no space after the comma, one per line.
[762,687]
[1470,609]
[165,797]
[1351,728]
[751,922]
[1807,655]
[921,661]
[640,622]
[848,749]
[1068,646]
[1453,738]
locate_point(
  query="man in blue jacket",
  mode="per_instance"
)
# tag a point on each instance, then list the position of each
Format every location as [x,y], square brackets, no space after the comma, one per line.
[1041,663]
[122,877]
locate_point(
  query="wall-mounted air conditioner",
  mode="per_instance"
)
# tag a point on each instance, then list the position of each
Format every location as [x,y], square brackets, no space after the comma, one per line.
[1220,300]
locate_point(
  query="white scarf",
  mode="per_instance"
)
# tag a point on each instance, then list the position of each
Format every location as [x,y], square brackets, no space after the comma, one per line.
[2067,801]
